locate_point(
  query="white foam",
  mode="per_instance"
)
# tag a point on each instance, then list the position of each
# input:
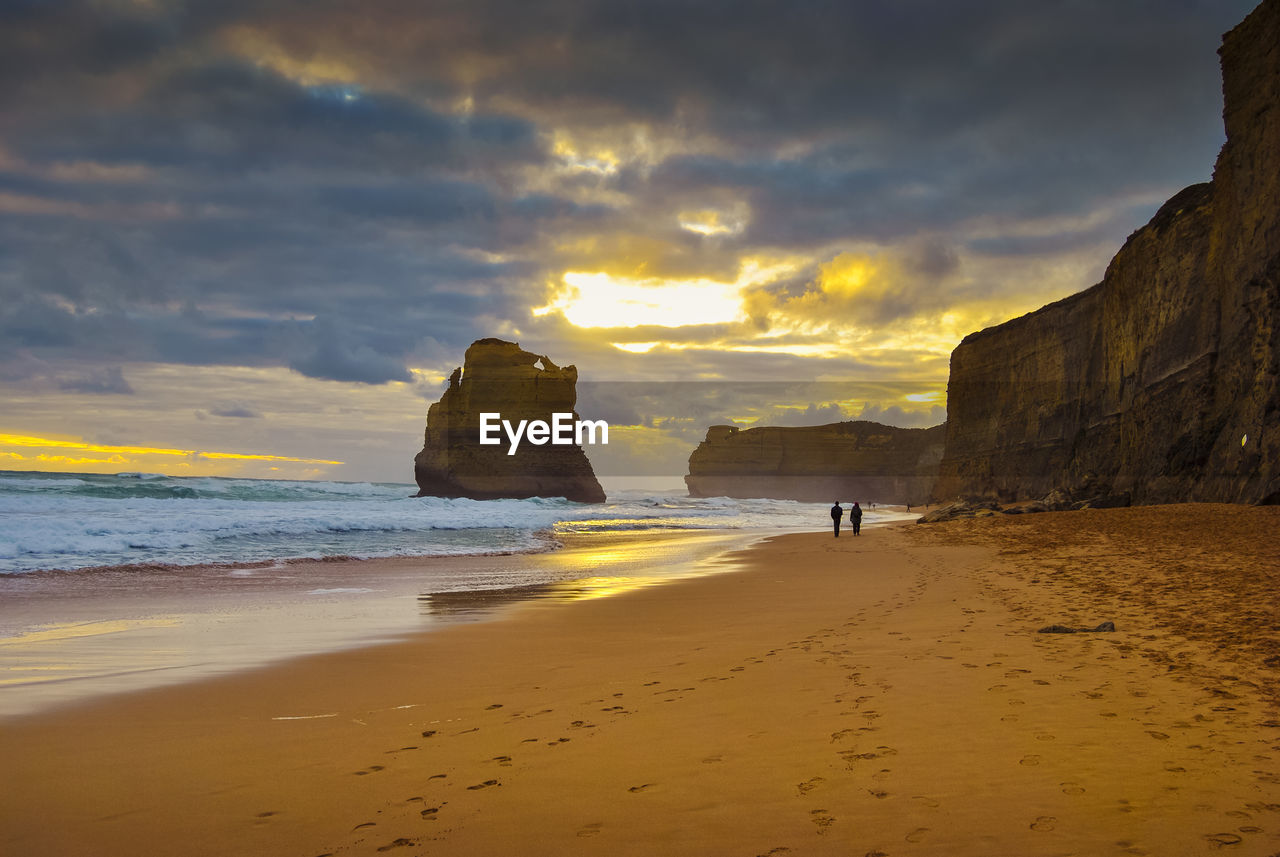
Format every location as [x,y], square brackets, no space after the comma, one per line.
[75,522]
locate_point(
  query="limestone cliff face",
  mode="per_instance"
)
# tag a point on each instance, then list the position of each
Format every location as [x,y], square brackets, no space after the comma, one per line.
[851,461]
[1160,383]
[500,377]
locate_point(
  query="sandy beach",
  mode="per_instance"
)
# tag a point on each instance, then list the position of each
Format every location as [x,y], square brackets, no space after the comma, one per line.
[881,695]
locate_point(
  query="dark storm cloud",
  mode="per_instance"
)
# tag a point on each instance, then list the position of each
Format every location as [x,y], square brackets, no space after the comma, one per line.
[173,187]
[232,116]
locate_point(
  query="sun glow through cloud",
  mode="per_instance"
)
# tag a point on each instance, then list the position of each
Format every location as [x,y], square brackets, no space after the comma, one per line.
[603,300]
[599,299]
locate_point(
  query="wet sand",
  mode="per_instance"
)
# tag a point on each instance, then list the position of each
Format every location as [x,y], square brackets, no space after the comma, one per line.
[887,694]
[68,637]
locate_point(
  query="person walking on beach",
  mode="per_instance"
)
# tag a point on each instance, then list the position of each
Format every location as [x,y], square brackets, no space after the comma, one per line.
[836,514]
[855,518]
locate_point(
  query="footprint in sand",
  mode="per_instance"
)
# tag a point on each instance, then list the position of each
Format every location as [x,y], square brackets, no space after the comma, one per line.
[1221,840]
[364,825]
[925,800]
[1174,768]
[496,705]
[592,829]
[430,812]
[809,785]
[1072,789]
[638,789]
[1029,761]
[505,761]
[711,760]
[428,733]
[1159,736]
[486,784]
[1043,823]
[917,835]
[822,818]
[399,843]
[372,769]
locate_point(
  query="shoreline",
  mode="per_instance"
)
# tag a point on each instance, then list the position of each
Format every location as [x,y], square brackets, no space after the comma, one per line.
[887,693]
[75,636]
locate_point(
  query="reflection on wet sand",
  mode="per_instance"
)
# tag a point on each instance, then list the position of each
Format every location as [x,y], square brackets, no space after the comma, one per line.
[635,560]
[478,603]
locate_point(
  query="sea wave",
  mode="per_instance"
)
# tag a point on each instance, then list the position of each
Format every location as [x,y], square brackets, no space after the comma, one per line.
[71,521]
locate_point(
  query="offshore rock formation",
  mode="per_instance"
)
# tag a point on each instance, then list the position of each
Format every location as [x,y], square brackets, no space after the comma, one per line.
[1159,384]
[499,377]
[850,461]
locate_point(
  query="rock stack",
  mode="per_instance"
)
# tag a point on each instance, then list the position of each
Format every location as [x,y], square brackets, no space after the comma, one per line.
[500,377]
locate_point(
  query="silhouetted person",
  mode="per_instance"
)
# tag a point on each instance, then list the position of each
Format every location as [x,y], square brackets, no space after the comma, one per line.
[855,518]
[836,514]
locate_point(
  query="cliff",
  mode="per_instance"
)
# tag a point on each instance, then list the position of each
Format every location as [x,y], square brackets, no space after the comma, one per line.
[1159,384]
[848,461]
[500,377]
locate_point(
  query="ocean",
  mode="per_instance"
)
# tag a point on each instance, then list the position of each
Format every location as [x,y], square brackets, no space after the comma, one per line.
[70,521]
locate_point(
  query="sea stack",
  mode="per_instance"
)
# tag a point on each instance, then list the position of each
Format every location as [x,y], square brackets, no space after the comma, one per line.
[849,461]
[501,378]
[1161,383]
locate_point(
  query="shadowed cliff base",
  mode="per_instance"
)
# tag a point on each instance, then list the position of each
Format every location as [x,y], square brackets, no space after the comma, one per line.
[1161,383]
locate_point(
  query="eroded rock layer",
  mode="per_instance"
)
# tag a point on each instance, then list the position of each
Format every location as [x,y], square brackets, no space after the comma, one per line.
[499,377]
[1159,384]
[850,461]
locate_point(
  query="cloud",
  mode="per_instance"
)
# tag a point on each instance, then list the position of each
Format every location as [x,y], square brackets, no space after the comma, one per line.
[359,190]
[106,379]
[239,412]
[332,356]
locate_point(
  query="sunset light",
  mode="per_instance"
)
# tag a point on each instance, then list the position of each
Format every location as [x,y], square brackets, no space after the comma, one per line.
[602,300]
[918,361]
[64,454]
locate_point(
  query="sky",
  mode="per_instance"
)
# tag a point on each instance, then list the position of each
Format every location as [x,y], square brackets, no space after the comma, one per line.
[254,238]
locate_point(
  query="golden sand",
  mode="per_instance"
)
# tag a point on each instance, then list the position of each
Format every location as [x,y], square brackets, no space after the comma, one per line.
[880,695]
